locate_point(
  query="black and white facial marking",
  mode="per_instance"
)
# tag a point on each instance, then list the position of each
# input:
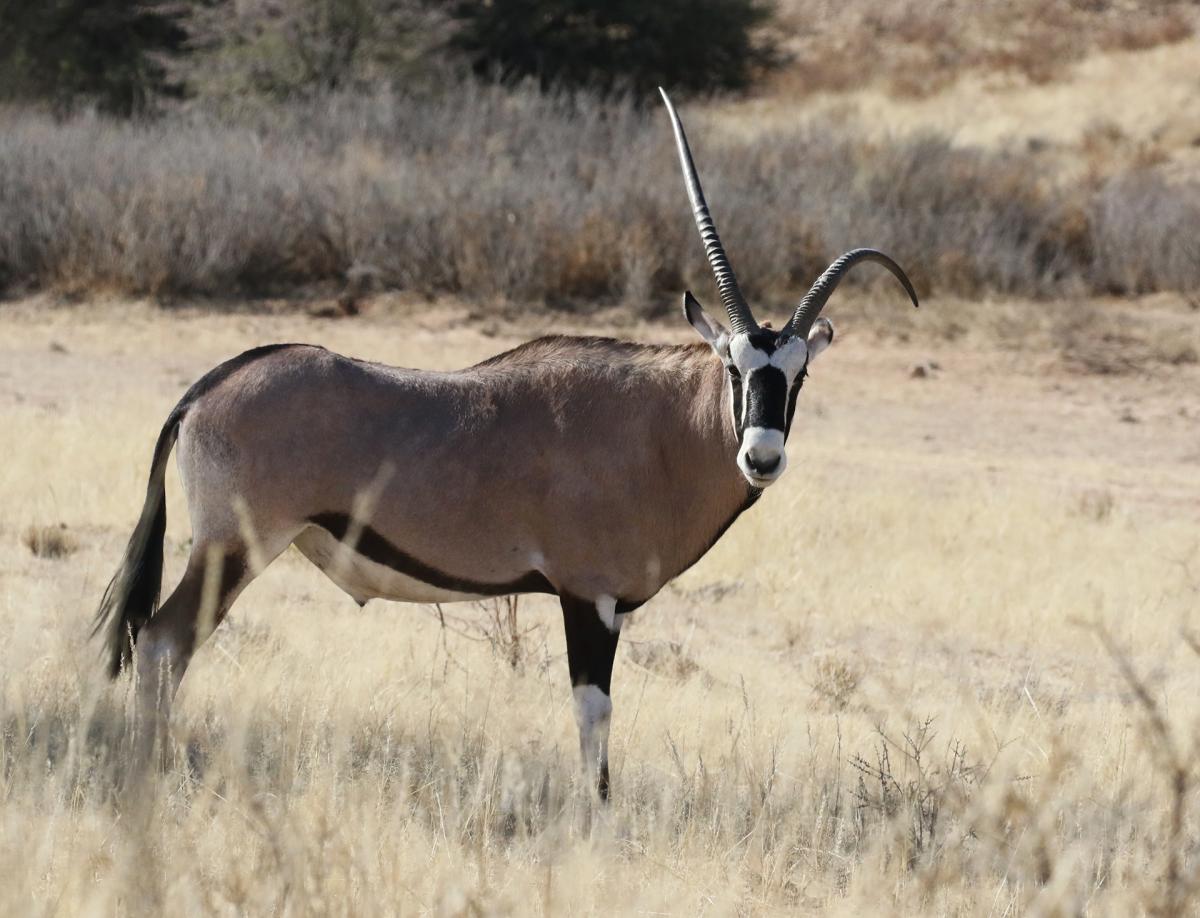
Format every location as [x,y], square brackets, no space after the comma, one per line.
[765,370]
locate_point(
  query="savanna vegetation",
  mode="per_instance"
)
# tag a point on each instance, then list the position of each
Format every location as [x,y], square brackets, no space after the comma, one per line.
[947,666]
[560,200]
[315,143]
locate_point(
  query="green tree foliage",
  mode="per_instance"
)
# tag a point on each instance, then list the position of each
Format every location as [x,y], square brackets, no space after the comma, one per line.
[281,49]
[625,45]
[110,53]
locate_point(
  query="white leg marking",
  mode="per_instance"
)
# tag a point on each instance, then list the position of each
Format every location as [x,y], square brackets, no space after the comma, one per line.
[593,710]
[606,608]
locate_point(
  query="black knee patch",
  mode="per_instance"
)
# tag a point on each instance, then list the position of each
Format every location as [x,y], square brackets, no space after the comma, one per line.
[591,646]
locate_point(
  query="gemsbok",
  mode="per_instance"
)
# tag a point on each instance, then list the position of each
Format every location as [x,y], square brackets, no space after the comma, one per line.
[592,469]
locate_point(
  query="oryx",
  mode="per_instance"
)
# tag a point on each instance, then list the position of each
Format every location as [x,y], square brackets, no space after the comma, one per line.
[589,468]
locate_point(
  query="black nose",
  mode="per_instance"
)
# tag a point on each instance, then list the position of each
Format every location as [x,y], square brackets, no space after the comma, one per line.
[760,464]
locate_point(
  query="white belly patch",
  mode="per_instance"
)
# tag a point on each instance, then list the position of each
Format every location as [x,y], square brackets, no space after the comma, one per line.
[365,579]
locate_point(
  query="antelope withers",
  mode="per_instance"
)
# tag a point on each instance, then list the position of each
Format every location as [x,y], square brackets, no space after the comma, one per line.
[765,370]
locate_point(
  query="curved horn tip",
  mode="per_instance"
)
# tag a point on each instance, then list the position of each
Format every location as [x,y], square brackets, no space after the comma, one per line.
[910,290]
[814,301]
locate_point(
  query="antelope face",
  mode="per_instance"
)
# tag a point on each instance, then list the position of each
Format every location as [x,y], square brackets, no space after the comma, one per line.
[766,368]
[764,371]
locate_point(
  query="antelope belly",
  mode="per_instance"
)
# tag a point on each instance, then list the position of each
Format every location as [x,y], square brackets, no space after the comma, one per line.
[365,579]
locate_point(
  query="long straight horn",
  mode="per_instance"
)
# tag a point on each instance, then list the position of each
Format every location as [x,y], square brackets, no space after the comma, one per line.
[814,301]
[740,317]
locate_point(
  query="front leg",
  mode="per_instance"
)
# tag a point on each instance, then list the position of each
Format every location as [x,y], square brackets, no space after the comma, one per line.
[593,628]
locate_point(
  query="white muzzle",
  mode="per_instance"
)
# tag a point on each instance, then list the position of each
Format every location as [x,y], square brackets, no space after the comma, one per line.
[762,458]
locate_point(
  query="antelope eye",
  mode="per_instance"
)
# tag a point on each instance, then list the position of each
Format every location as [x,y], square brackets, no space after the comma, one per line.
[733,371]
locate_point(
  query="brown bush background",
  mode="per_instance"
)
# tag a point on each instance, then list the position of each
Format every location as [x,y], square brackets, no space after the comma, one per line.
[491,194]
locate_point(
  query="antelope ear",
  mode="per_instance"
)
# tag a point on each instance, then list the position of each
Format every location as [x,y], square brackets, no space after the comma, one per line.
[820,336]
[706,327]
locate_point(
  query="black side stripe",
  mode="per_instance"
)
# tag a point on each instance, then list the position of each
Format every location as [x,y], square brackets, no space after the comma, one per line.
[375,547]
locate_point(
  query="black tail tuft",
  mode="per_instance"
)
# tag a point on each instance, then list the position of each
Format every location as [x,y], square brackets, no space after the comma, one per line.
[132,595]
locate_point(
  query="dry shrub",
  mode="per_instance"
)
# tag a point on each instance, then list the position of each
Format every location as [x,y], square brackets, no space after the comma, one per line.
[563,200]
[52,541]
[1091,340]
[666,658]
[1108,151]
[1176,351]
[1101,138]
[835,681]
[1165,24]
[915,796]
[1096,505]
[1145,234]
[1105,340]
[497,624]
[503,630]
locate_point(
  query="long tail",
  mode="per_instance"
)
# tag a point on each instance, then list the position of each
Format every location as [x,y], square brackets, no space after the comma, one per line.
[133,593]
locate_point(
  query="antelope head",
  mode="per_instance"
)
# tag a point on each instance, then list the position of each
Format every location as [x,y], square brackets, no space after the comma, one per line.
[765,368]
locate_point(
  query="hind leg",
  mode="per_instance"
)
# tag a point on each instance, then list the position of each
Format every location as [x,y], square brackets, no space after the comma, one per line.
[165,644]
[216,573]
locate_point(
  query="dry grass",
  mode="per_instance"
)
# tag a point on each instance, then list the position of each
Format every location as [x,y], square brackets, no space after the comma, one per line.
[976,747]
[1104,115]
[567,201]
[919,48]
